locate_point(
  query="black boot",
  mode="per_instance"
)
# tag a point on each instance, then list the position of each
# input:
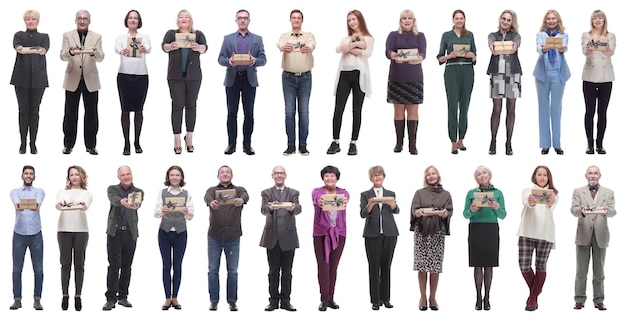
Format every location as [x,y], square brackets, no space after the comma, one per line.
[599,148]
[589,147]
[399,135]
[412,130]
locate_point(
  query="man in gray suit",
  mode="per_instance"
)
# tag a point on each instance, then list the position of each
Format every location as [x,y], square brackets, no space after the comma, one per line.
[280,205]
[592,204]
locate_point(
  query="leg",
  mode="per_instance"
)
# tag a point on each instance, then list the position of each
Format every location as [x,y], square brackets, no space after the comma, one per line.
[114,253]
[70,117]
[90,100]
[543,97]
[179,246]
[341,98]
[231,250]
[215,248]
[305,83]
[412,123]
[583,253]
[128,253]
[232,104]
[286,264]
[248,95]
[273,260]
[422,278]
[36,256]
[23,103]
[558,89]
[290,93]
[434,282]
[125,120]
[192,89]
[323,272]
[453,95]
[80,249]
[138,126]
[495,123]
[510,123]
[399,123]
[177,93]
[478,282]
[358,96]
[467,85]
[488,278]
[590,93]
[604,95]
[333,261]
[388,248]
[165,247]
[19,252]
[598,255]
[373,251]
[65,240]
[36,94]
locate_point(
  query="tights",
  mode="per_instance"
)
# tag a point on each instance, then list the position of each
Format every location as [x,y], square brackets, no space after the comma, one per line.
[483,275]
[510,118]
[126,126]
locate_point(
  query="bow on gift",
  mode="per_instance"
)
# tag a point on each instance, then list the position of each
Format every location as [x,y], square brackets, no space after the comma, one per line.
[544,197]
[596,44]
[298,45]
[188,41]
[403,54]
[133,198]
[336,201]
[590,209]
[134,43]
[65,204]
[172,204]
[484,199]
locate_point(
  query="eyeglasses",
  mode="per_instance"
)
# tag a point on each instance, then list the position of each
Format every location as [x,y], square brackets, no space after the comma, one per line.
[278,173]
[82,19]
[243,18]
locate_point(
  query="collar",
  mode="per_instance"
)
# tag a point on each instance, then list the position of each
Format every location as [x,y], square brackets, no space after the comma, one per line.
[594,188]
[170,188]
[296,34]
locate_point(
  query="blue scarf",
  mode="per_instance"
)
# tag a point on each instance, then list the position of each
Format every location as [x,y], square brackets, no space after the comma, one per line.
[552,52]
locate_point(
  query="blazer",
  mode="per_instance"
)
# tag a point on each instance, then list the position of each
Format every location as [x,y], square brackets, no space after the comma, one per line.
[81,63]
[175,64]
[598,67]
[590,224]
[116,193]
[540,67]
[229,46]
[280,224]
[30,70]
[373,218]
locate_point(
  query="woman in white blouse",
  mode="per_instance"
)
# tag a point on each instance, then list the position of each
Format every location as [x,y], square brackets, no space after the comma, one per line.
[537,231]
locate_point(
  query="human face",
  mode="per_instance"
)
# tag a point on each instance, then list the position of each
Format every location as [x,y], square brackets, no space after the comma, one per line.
[407,23]
[174,177]
[330,181]
[125,176]
[133,20]
[74,177]
[31,23]
[243,20]
[483,177]
[184,21]
[432,177]
[225,175]
[593,175]
[551,21]
[353,23]
[378,179]
[296,20]
[28,176]
[541,177]
[505,22]
[279,175]
[458,20]
[82,21]
[598,22]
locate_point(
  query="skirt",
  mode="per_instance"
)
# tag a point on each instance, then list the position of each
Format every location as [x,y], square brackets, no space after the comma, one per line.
[504,84]
[428,252]
[405,93]
[132,90]
[483,244]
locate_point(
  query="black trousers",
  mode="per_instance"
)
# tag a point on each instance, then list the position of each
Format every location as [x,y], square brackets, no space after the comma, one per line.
[121,251]
[379,251]
[280,263]
[348,82]
[70,119]
[28,101]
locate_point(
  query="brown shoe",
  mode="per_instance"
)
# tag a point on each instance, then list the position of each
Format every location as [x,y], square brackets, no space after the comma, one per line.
[600,306]
[578,306]
[124,303]
[16,305]
[232,306]
[213,306]
[110,305]
[37,305]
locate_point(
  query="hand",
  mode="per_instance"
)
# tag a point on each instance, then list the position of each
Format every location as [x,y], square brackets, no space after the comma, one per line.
[196,47]
[551,200]
[125,52]
[531,200]
[493,49]
[562,49]
[452,55]
[72,51]
[214,204]
[165,210]
[174,46]
[494,205]
[84,206]
[292,207]
[238,202]
[19,48]
[473,207]
[287,48]
[59,205]
[270,205]
[416,61]
[93,51]
[514,48]
[544,49]
[231,60]
[252,59]
[142,49]
[419,213]
[391,202]
[444,214]
[320,203]
[470,54]
[305,49]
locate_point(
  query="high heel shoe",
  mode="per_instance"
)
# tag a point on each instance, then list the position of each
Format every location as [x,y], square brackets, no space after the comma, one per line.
[508,148]
[78,303]
[492,147]
[178,150]
[190,148]
[486,305]
[455,149]
[461,145]
[65,303]
[138,149]
[479,305]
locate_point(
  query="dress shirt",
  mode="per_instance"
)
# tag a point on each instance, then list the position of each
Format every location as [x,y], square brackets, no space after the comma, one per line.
[297,61]
[188,203]
[243,47]
[132,65]
[27,222]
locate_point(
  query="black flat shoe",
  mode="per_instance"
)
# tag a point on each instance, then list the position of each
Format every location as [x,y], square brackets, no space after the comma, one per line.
[559,151]
[177,306]
[166,307]
[545,151]
[388,304]
[323,306]
[333,305]
[230,149]
[23,149]
[33,148]
[479,305]
[375,306]
[126,151]
[589,150]
[424,308]
[434,308]
[78,303]
[509,149]
[600,150]
[138,149]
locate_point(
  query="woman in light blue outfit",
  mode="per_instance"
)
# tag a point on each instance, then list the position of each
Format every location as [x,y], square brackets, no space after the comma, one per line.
[551,73]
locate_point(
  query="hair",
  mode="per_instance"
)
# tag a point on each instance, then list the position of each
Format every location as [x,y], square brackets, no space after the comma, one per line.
[27,167]
[550,182]
[32,13]
[480,169]
[83,177]
[408,14]
[185,11]
[84,11]
[599,13]
[593,166]
[426,173]
[243,10]
[224,166]
[464,32]
[167,175]
[139,24]
[558,18]
[296,11]
[514,25]
[376,170]
[330,170]
[362,24]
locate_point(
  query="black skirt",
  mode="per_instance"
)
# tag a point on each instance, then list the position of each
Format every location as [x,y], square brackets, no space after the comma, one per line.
[483,244]
[132,90]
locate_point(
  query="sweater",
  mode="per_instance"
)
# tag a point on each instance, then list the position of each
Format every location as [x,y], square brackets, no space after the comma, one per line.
[73,220]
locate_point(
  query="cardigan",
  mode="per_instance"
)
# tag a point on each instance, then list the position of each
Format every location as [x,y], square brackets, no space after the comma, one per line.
[350,62]
[321,221]
[512,59]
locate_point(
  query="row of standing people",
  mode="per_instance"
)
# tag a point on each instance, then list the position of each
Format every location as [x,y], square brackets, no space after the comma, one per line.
[404,90]
[430,214]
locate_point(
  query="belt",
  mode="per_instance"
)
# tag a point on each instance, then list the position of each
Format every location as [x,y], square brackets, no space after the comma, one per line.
[123,228]
[459,63]
[242,73]
[298,74]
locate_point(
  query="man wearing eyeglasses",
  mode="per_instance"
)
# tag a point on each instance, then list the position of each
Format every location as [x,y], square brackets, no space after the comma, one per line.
[82,49]
[280,205]
[241,53]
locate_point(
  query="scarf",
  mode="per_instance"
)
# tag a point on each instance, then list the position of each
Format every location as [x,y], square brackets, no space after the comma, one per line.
[486,188]
[552,52]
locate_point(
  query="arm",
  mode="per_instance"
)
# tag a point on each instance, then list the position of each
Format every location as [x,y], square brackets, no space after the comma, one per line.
[282,43]
[265,203]
[443,46]
[243,194]
[501,209]
[190,208]
[98,55]
[120,44]
[115,198]
[169,41]
[66,47]
[366,205]
[146,44]
[88,198]
[200,44]
[158,207]
[309,45]
[225,54]
[610,50]
[576,208]
[472,52]
[469,210]
[565,42]
[610,207]
[259,57]
[344,46]
[540,41]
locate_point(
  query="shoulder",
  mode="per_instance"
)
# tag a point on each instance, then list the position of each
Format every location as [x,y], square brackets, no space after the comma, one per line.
[95,34]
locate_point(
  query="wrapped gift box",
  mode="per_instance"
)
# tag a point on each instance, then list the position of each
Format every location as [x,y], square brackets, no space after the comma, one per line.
[542,195]
[503,47]
[433,211]
[175,203]
[483,199]
[241,59]
[460,49]
[225,196]
[554,42]
[185,40]
[133,44]
[599,44]
[28,203]
[283,204]
[405,55]
[134,198]
[334,202]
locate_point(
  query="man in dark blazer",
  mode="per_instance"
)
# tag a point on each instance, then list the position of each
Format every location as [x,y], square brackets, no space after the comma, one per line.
[378,205]
[122,233]
[280,205]
[592,204]
[82,49]
[241,79]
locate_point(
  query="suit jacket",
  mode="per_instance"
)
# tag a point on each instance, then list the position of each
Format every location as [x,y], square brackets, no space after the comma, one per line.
[372,219]
[590,224]
[280,224]
[229,46]
[598,67]
[30,70]
[542,62]
[81,63]
[116,193]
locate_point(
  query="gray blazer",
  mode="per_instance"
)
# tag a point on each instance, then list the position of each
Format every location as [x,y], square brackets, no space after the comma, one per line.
[116,193]
[589,224]
[280,224]
[372,219]
[229,46]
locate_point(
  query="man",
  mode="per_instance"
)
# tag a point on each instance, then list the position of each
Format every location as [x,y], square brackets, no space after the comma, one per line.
[122,233]
[27,201]
[241,79]
[280,205]
[297,48]
[81,48]
[226,203]
[592,204]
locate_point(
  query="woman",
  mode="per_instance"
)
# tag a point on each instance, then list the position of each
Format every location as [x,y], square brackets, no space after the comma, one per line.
[184,77]
[551,72]
[430,231]
[536,231]
[381,235]
[353,75]
[30,77]
[174,207]
[329,235]
[598,78]
[73,232]
[484,238]
[405,87]
[458,77]
[132,77]
[506,77]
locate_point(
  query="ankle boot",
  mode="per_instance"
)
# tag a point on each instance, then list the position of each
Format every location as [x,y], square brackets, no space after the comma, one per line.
[599,148]
[412,130]
[399,135]
[589,146]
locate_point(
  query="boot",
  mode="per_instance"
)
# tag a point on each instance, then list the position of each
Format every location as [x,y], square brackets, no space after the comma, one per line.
[529,277]
[599,148]
[589,147]
[399,135]
[412,130]
[540,279]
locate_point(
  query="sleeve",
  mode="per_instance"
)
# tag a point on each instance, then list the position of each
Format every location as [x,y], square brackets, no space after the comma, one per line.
[17,40]
[311,42]
[225,54]
[540,40]
[448,206]
[169,37]
[397,209]
[99,55]
[584,40]
[576,204]
[343,46]
[390,45]
[120,44]
[469,198]
[369,47]
[209,196]
[501,211]
[283,41]
[491,38]
[242,193]
[265,200]
[88,198]
[421,45]
[364,201]
[190,207]
[525,194]
[611,205]
[65,48]
[517,39]
[201,40]
[260,59]
[158,205]
[442,48]
[565,42]
[114,196]
[146,43]
[295,199]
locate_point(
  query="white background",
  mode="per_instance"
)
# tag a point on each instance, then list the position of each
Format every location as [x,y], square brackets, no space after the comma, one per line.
[404,172]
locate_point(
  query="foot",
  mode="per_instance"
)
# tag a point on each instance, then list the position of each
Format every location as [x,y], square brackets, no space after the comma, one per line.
[579,305]
[545,151]
[423,304]
[398,147]
[287,306]
[412,149]
[188,144]
[232,306]
[291,150]
[78,303]
[492,147]
[509,149]
[486,305]
[248,150]
[333,149]
[16,305]
[459,143]
[166,306]
[175,304]
[108,306]
[333,305]
[272,306]
[352,150]
[600,150]
[600,306]
[33,148]
[479,304]
[92,151]
[178,150]
[22,148]
[230,150]
[37,305]
[303,150]
[65,302]
[67,150]
[126,151]
[558,151]
[432,304]
[455,148]
[388,304]
[323,306]
[124,303]
[375,306]
[138,149]
[213,306]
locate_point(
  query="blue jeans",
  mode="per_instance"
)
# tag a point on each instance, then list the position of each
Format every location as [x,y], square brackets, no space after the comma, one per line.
[35,244]
[297,89]
[231,250]
[240,89]
[550,96]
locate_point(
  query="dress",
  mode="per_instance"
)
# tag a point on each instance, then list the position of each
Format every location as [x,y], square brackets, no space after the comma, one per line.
[484,238]
[505,70]
[406,81]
